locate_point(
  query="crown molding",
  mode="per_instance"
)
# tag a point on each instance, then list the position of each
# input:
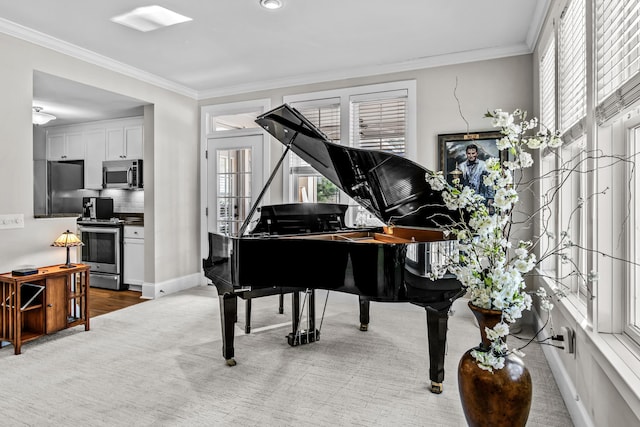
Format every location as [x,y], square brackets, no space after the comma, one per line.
[537,22]
[18,31]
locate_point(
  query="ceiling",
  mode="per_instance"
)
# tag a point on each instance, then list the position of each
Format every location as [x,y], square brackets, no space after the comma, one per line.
[236,46]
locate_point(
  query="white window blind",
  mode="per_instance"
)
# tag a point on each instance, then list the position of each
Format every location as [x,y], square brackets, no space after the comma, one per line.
[617,44]
[326,118]
[380,124]
[572,65]
[548,86]
[307,183]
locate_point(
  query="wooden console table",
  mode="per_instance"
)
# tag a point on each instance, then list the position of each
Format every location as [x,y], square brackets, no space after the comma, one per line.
[54,298]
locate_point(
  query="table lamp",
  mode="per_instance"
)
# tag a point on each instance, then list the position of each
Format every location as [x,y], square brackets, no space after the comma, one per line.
[67,240]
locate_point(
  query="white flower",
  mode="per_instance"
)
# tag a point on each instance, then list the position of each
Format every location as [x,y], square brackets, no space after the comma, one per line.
[526,161]
[535,143]
[524,265]
[505,198]
[436,180]
[504,143]
[492,163]
[546,305]
[555,142]
[501,119]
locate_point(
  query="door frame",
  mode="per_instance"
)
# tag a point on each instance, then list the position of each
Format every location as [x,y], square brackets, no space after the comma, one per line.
[207,112]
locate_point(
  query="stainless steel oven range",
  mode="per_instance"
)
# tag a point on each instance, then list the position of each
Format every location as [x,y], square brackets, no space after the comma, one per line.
[103,252]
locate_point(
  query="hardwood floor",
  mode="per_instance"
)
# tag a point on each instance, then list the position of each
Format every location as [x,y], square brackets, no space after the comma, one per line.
[103,301]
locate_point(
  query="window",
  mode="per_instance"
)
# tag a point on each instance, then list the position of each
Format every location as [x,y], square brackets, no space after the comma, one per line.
[307,184]
[603,36]
[548,86]
[633,177]
[380,124]
[572,226]
[548,215]
[617,47]
[379,117]
[572,65]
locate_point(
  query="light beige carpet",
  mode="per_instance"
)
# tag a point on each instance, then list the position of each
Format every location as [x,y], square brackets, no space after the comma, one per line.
[160,364]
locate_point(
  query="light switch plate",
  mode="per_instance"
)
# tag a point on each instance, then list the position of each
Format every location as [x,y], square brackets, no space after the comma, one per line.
[11,221]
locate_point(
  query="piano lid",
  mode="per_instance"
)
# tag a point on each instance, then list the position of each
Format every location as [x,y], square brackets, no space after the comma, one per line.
[389,186]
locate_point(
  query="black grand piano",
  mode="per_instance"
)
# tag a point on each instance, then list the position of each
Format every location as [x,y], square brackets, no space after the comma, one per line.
[389,263]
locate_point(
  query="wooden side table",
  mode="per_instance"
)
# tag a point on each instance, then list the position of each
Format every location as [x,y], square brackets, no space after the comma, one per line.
[54,298]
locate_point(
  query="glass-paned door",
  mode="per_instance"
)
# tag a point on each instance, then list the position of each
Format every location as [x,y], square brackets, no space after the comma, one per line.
[234,180]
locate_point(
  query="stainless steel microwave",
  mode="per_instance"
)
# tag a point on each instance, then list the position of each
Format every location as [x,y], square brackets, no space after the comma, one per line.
[126,174]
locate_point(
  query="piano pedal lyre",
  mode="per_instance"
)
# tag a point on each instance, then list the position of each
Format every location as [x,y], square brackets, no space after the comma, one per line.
[303,337]
[300,336]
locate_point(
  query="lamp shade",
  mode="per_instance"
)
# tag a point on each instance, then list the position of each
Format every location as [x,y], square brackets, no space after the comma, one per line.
[40,118]
[67,240]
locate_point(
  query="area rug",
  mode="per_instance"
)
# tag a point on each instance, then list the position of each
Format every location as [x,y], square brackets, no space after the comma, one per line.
[160,364]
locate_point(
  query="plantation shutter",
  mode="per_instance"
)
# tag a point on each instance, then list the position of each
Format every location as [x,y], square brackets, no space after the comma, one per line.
[380,124]
[572,65]
[548,86]
[325,115]
[617,55]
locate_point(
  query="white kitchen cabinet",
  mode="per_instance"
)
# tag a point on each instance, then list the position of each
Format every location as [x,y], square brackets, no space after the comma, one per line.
[133,269]
[65,146]
[94,156]
[125,142]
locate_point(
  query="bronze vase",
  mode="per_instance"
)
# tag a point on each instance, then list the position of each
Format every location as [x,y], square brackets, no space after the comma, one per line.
[498,398]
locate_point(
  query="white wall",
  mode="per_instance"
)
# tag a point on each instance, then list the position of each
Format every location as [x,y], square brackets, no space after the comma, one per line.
[171,160]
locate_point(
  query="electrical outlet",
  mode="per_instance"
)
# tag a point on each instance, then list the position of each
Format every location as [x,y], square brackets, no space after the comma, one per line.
[569,339]
[11,221]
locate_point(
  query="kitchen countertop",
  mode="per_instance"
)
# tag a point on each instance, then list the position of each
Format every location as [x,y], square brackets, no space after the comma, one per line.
[136,219]
[61,215]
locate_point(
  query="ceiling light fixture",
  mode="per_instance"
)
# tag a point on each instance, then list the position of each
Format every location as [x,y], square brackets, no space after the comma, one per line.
[40,118]
[149,18]
[271,4]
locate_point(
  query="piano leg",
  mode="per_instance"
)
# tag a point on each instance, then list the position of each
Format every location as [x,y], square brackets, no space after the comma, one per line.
[228,317]
[364,314]
[437,334]
[247,316]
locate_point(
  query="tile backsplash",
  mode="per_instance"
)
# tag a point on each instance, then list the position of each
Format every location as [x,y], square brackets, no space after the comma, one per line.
[125,201]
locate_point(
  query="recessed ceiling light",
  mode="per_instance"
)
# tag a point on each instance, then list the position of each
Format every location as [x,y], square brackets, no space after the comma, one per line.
[271,4]
[149,18]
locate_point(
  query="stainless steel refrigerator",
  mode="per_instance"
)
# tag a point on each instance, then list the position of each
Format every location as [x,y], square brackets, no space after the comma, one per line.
[66,182]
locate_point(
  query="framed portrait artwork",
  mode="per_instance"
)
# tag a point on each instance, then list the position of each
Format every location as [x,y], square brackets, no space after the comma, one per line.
[453,150]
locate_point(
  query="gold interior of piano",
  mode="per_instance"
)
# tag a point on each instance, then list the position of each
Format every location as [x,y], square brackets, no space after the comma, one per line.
[390,235]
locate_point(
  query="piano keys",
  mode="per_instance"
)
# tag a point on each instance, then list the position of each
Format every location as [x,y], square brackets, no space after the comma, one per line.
[296,247]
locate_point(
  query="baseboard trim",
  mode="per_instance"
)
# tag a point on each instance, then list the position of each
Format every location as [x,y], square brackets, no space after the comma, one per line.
[159,289]
[577,411]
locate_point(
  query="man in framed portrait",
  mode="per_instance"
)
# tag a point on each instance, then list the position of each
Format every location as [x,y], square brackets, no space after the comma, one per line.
[473,171]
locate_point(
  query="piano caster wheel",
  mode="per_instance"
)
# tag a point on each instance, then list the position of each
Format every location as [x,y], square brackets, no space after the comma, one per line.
[436,388]
[364,327]
[231,362]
